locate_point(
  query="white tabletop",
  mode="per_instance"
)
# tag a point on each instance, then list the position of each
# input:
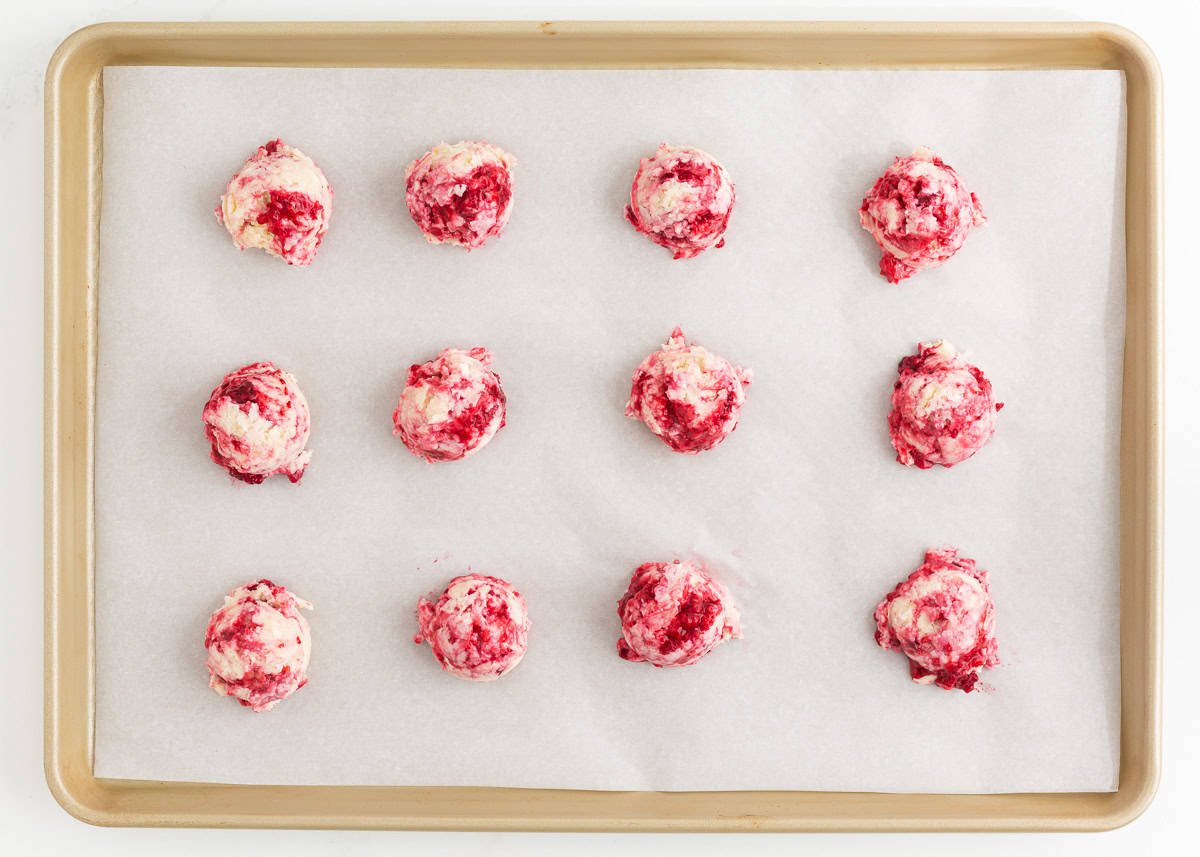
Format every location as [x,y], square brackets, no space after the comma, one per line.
[30,821]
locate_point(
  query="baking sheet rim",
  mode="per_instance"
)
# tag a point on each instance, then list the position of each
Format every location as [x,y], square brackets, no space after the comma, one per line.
[73,162]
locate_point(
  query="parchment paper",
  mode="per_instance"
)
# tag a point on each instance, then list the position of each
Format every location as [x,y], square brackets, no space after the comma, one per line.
[802,511]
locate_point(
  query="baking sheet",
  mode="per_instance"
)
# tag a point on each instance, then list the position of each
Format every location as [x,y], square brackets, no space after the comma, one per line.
[803,512]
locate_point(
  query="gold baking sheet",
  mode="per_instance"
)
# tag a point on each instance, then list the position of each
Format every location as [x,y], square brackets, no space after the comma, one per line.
[73,175]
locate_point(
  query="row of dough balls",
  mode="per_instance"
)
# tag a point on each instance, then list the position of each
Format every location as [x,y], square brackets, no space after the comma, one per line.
[257,419]
[918,211]
[941,617]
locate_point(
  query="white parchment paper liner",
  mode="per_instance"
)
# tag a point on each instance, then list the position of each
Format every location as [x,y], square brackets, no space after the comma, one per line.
[802,512]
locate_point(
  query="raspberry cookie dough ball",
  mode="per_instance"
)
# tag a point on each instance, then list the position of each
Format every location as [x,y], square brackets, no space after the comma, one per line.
[478,629]
[279,201]
[919,213]
[460,194]
[257,422]
[943,411]
[451,406]
[942,619]
[258,645]
[673,614]
[681,199]
[688,396]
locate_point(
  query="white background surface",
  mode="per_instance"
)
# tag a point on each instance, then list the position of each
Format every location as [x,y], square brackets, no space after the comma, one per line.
[34,825]
[809,527]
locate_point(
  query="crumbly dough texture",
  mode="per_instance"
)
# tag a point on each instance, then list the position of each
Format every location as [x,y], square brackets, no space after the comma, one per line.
[279,201]
[461,193]
[258,645]
[478,629]
[919,213]
[257,423]
[942,618]
[943,409]
[681,199]
[451,407]
[673,614]
[688,396]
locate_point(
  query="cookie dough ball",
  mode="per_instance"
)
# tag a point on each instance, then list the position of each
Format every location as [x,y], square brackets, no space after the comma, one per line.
[681,199]
[688,396]
[673,614]
[257,423]
[478,629]
[258,645]
[451,406]
[919,213]
[279,201]
[460,194]
[942,619]
[943,411]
